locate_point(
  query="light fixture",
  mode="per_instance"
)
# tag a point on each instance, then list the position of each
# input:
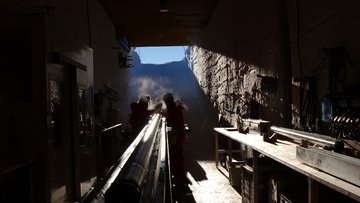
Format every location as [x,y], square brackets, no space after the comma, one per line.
[163,6]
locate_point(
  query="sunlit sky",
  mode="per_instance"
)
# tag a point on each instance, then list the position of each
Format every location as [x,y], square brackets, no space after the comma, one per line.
[161,55]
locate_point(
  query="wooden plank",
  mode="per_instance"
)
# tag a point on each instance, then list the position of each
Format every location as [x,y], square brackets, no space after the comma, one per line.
[352,144]
[221,151]
[339,165]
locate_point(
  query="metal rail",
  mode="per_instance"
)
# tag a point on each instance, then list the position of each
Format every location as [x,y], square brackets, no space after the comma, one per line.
[103,129]
[301,135]
[140,161]
[131,172]
[162,186]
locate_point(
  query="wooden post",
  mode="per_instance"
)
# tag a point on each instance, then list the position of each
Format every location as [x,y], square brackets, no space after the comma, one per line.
[216,149]
[230,149]
[313,189]
[256,186]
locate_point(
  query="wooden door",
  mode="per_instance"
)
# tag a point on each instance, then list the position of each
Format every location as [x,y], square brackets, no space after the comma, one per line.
[61,125]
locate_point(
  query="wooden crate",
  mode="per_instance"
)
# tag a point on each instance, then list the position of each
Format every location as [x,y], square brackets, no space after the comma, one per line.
[287,186]
[247,184]
[235,174]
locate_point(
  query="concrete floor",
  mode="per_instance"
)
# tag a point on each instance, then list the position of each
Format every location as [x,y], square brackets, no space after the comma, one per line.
[208,184]
[214,187]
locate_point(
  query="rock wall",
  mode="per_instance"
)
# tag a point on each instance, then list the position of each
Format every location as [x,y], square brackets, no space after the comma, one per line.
[274,60]
[234,88]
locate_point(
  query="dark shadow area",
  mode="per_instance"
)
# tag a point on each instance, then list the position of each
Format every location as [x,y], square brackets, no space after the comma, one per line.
[181,192]
[196,171]
[250,45]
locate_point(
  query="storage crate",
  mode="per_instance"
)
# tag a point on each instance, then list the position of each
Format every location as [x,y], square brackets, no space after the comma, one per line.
[288,187]
[234,168]
[247,184]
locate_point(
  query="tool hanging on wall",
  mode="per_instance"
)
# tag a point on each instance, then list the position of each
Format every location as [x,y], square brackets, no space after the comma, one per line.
[346,125]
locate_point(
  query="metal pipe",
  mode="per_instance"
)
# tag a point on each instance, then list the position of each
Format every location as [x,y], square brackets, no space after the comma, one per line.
[103,129]
[154,190]
[301,135]
[163,141]
[139,163]
[161,183]
[112,127]
[118,167]
[127,186]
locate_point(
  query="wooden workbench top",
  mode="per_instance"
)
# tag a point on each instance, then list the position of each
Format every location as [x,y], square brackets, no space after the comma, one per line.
[285,153]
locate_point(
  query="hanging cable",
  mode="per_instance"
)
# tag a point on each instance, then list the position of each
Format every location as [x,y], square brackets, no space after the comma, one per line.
[302,85]
[298,37]
[88,21]
[307,95]
[234,31]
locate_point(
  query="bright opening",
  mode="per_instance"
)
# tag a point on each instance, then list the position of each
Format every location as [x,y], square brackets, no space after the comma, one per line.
[160,55]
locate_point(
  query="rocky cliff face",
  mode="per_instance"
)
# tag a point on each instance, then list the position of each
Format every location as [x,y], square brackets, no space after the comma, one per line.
[235,89]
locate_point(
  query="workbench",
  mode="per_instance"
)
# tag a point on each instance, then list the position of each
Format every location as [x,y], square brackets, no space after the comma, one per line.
[284,152]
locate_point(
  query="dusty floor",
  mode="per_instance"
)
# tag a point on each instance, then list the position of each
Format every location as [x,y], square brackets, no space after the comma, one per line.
[207,183]
[214,187]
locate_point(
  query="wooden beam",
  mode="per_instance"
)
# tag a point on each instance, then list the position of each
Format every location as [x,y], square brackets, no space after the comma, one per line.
[338,165]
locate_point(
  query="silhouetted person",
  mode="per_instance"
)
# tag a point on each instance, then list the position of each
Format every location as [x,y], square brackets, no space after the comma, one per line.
[175,120]
[140,114]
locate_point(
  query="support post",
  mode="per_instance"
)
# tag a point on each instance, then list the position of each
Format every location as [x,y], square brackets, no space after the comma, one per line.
[285,72]
[256,185]
[313,189]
